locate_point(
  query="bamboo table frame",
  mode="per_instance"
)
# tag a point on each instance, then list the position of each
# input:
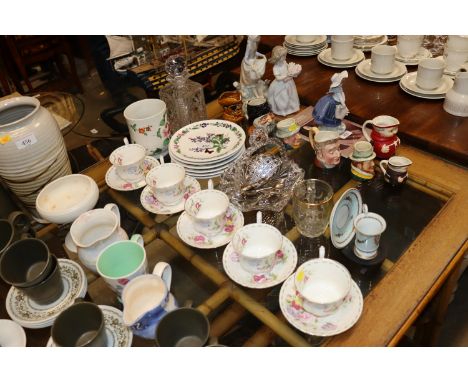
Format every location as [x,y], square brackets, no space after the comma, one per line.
[389,309]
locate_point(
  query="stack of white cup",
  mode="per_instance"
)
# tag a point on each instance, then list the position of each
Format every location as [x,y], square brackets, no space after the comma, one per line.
[456,52]
[342,47]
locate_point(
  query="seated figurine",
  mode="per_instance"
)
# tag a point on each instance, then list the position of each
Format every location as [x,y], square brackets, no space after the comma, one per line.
[331,109]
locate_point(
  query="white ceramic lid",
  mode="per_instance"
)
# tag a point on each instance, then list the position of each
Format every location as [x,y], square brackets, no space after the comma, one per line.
[342,217]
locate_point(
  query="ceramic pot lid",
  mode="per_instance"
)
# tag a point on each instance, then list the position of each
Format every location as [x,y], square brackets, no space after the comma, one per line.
[342,217]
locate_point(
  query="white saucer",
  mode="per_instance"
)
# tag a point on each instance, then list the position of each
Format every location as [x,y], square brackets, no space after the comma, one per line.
[325,58]
[421,55]
[292,41]
[341,320]
[117,183]
[118,335]
[234,220]
[152,204]
[363,70]
[31,315]
[285,265]
[408,84]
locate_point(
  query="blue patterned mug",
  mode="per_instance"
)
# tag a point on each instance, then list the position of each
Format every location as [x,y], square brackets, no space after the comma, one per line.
[147,299]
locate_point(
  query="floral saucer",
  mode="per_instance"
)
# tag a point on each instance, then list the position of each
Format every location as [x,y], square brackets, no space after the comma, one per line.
[341,320]
[117,183]
[234,219]
[152,204]
[118,335]
[31,315]
[286,261]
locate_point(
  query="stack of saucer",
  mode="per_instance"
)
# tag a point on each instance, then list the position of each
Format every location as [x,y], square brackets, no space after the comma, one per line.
[408,84]
[29,314]
[364,71]
[310,48]
[206,148]
[326,59]
[367,42]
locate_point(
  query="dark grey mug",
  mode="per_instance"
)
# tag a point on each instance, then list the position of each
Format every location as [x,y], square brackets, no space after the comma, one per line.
[48,290]
[25,263]
[16,226]
[183,327]
[82,324]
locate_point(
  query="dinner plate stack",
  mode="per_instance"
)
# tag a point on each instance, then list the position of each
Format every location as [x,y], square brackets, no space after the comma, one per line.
[311,48]
[367,42]
[32,150]
[206,148]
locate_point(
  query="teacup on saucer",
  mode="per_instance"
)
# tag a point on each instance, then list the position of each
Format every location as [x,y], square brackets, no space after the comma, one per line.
[233,219]
[115,182]
[151,203]
[285,263]
[128,160]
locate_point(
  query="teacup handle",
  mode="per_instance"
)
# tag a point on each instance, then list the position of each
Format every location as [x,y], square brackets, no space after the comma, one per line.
[210,184]
[321,252]
[112,207]
[137,238]
[259,217]
[20,221]
[365,210]
[381,164]
[161,159]
[126,141]
[364,131]
[164,271]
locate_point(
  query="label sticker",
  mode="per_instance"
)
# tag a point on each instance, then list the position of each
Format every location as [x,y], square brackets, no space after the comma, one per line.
[26,141]
[4,139]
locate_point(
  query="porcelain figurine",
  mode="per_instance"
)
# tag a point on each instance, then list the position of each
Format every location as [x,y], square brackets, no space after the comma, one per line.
[331,109]
[326,147]
[456,99]
[383,135]
[395,170]
[282,93]
[252,70]
[362,161]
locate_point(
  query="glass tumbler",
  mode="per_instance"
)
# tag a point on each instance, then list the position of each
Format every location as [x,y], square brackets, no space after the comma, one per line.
[312,205]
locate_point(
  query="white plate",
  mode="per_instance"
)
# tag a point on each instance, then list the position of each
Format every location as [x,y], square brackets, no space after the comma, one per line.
[325,58]
[305,49]
[234,220]
[300,54]
[409,83]
[341,320]
[31,315]
[441,96]
[285,264]
[364,70]
[205,141]
[368,47]
[152,204]
[214,162]
[342,217]
[291,40]
[211,165]
[421,55]
[117,183]
[118,335]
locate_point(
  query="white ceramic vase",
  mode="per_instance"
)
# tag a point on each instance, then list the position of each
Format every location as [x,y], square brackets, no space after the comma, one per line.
[456,99]
[32,149]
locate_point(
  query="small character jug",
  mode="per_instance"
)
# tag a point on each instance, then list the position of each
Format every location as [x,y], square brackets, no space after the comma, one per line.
[383,135]
[395,170]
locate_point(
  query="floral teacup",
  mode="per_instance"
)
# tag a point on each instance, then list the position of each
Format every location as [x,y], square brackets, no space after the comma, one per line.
[167,182]
[207,209]
[257,246]
[128,161]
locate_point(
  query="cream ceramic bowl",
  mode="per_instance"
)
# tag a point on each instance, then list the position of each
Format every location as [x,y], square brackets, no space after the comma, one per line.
[66,198]
[11,334]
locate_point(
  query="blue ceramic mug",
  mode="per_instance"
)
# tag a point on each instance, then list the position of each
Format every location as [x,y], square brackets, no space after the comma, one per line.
[147,299]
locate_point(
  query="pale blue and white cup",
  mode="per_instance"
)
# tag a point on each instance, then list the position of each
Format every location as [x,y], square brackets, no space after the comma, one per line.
[369,227]
[147,299]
